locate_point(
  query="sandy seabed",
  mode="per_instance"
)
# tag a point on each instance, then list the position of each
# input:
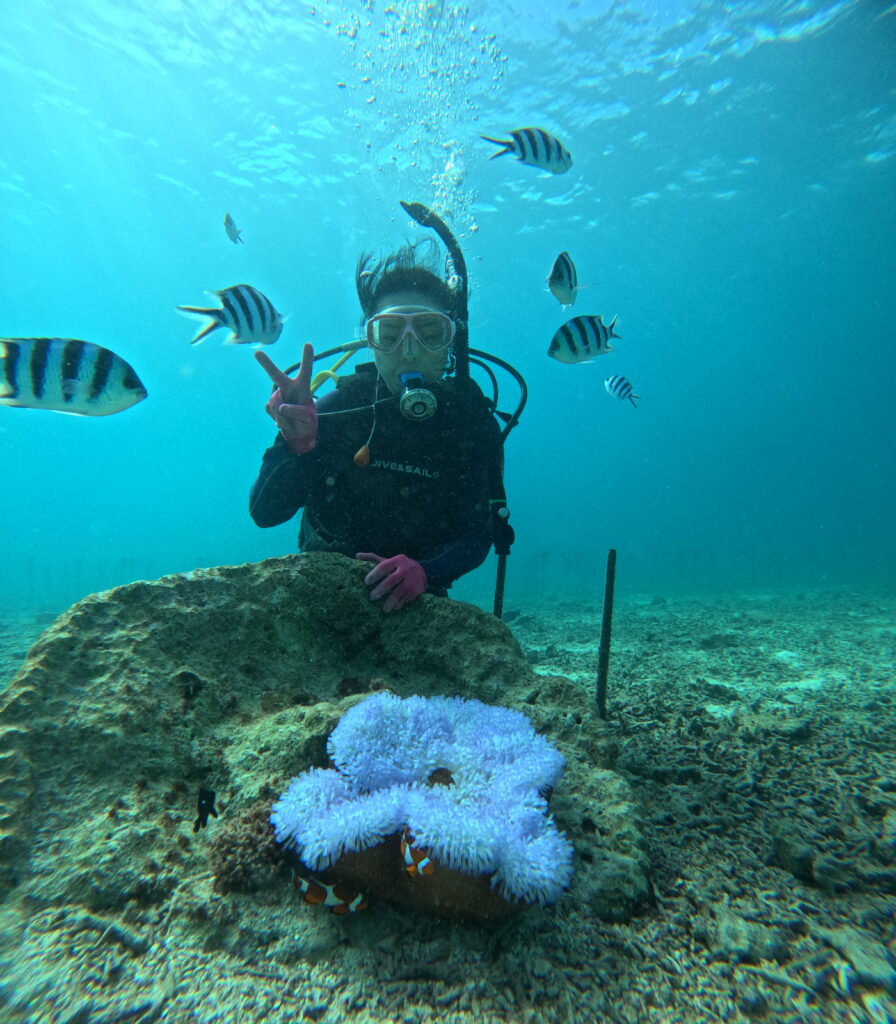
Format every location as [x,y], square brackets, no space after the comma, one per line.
[758,734]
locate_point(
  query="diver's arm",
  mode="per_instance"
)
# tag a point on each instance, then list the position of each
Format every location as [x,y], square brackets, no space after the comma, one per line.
[291,406]
[470,548]
[446,563]
[282,485]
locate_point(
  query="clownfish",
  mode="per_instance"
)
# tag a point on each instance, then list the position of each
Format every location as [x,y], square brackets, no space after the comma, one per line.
[416,861]
[339,898]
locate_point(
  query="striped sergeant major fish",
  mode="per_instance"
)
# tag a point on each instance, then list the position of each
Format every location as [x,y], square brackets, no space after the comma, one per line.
[66,375]
[250,316]
[621,388]
[581,339]
[563,280]
[233,232]
[535,147]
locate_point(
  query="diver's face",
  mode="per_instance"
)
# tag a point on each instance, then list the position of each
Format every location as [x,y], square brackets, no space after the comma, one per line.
[410,355]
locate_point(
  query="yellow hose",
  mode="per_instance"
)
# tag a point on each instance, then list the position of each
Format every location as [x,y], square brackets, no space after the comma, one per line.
[325,375]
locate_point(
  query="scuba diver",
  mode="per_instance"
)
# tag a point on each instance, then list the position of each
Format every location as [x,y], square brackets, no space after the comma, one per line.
[402,464]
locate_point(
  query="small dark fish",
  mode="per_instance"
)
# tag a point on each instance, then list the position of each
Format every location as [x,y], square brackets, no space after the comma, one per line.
[563,280]
[535,147]
[66,375]
[233,232]
[621,388]
[205,806]
[249,315]
[581,339]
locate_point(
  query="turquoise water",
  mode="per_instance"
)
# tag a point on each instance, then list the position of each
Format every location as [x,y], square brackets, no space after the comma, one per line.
[732,199]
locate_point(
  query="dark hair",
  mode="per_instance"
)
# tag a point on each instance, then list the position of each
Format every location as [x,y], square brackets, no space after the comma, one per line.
[410,268]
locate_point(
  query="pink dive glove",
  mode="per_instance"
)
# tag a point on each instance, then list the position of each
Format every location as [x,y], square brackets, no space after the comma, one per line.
[297,423]
[399,578]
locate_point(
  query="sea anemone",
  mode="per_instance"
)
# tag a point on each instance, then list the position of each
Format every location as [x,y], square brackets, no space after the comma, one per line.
[468,781]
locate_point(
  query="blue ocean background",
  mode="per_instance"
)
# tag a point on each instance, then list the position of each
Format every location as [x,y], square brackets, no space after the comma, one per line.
[732,199]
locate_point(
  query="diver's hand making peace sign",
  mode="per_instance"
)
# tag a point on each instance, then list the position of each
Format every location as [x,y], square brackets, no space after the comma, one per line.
[291,406]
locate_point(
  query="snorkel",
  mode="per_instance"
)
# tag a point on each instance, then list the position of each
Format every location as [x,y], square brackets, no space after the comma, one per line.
[457,267]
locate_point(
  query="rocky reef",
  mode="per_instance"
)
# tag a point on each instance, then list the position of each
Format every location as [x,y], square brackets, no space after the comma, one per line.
[232,679]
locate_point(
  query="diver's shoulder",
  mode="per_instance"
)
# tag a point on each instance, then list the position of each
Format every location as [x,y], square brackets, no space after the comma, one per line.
[350,388]
[465,388]
[471,407]
[469,396]
[363,375]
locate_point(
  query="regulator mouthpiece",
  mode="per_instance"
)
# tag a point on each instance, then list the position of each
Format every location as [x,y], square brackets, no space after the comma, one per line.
[416,402]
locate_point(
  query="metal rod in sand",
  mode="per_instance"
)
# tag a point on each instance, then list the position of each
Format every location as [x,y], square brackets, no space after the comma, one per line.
[606,629]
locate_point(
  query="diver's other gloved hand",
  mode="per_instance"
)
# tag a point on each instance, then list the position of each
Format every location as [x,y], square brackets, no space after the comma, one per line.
[291,406]
[400,579]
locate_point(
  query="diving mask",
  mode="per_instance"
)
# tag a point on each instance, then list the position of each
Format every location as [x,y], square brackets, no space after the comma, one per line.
[433,330]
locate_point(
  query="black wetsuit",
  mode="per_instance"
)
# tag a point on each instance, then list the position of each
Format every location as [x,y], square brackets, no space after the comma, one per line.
[424,494]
